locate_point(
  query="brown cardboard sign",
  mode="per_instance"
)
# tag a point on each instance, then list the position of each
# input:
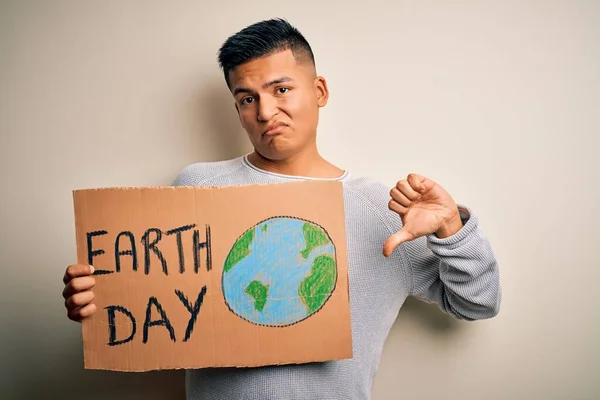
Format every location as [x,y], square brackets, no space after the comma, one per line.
[192,277]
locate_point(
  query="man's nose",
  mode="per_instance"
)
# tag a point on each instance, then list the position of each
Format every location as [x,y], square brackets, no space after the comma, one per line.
[267,108]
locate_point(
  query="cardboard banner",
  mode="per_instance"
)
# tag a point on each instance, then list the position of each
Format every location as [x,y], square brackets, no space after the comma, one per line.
[191,277]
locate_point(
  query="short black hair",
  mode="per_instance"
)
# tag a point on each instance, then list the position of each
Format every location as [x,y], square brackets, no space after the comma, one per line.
[262,39]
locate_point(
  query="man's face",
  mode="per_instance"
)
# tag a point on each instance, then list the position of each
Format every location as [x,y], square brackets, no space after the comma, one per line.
[278,102]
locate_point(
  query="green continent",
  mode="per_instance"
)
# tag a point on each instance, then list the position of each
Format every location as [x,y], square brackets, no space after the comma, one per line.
[317,286]
[264,228]
[314,237]
[240,250]
[259,292]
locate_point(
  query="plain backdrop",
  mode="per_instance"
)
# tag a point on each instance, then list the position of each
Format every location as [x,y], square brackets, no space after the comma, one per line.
[497,101]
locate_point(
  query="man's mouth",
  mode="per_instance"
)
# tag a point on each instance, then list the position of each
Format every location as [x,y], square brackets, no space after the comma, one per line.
[274,129]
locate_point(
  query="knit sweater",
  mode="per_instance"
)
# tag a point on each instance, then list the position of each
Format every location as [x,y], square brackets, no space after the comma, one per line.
[459,273]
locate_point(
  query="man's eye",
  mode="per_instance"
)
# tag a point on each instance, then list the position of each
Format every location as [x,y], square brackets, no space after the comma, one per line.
[282,90]
[247,100]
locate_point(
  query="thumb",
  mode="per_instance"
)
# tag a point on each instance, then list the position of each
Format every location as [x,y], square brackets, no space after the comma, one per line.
[420,183]
[396,240]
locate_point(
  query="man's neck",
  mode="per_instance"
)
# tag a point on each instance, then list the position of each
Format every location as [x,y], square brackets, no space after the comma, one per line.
[303,164]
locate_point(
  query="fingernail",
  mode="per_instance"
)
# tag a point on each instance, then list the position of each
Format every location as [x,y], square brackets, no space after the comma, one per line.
[91,269]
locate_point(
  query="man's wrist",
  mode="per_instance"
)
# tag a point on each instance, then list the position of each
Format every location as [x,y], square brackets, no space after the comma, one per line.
[451,227]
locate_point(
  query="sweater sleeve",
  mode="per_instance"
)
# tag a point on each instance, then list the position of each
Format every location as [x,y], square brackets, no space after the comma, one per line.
[459,273]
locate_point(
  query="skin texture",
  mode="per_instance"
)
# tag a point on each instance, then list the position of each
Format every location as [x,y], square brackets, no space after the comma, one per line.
[279,91]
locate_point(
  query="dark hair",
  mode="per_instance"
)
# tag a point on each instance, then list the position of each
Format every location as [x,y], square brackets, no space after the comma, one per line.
[262,39]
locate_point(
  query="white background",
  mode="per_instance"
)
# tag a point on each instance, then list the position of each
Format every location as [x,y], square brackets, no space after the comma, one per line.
[497,101]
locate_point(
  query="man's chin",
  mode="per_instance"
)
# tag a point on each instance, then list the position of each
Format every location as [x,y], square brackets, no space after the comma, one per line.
[277,152]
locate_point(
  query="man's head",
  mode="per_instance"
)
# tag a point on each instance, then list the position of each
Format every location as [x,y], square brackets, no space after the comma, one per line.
[269,68]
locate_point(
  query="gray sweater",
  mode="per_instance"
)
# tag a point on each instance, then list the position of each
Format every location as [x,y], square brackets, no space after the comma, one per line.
[459,273]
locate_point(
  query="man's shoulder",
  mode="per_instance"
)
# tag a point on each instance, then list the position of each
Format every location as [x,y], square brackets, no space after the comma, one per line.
[366,186]
[369,199]
[367,190]
[200,173]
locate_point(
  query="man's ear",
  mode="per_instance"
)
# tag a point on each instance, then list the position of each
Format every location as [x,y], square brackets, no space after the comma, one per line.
[321,91]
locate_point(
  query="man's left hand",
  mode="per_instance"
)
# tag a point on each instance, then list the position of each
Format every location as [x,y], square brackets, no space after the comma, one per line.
[425,208]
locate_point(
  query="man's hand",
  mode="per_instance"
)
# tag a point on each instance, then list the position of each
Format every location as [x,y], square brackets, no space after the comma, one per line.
[78,292]
[425,208]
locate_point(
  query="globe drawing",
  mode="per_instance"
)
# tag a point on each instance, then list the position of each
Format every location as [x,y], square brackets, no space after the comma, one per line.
[279,272]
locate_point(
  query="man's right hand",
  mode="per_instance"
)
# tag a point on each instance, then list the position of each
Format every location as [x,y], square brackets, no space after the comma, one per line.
[78,292]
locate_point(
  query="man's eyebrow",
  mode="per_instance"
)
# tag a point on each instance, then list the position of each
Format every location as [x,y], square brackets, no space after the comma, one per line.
[241,90]
[277,81]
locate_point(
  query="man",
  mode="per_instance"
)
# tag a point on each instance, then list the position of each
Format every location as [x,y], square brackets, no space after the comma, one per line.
[412,240]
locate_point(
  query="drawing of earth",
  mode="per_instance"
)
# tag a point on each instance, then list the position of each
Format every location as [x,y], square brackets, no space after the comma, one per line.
[280,272]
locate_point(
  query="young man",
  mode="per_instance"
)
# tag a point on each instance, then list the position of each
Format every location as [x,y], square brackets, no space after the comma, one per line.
[412,240]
